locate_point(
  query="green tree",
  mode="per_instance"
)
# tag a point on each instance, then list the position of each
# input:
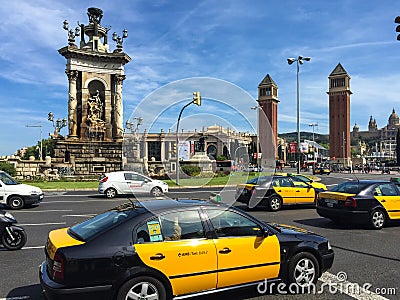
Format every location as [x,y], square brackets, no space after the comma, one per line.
[222,157]
[8,168]
[34,150]
[398,146]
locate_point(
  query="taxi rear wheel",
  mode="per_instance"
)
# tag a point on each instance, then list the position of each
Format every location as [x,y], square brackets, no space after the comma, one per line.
[303,270]
[274,203]
[142,287]
[377,219]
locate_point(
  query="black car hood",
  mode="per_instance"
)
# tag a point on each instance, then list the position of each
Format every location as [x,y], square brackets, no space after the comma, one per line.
[291,230]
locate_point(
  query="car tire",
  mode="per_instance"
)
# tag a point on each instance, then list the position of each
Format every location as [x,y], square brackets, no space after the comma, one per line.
[303,270]
[142,287]
[156,192]
[377,219]
[274,203]
[16,202]
[110,193]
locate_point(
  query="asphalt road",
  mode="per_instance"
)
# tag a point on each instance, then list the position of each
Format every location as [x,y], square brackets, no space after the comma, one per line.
[365,257]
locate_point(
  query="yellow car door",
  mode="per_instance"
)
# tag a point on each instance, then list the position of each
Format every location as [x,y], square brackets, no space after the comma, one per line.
[388,195]
[305,193]
[175,244]
[284,188]
[244,255]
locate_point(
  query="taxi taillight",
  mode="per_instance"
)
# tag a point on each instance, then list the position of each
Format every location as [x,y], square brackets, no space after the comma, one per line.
[57,271]
[104,179]
[350,202]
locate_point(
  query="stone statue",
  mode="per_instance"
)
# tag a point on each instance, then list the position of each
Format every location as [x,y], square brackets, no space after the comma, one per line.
[95,106]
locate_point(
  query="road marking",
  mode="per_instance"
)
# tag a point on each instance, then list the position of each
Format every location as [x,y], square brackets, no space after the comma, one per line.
[83,216]
[359,294]
[42,224]
[33,247]
[41,211]
[16,298]
[81,201]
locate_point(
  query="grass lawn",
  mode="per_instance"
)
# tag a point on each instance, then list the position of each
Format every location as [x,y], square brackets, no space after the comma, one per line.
[233,179]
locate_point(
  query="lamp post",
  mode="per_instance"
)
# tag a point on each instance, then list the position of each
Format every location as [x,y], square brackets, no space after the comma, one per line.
[313,125]
[300,60]
[258,133]
[58,124]
[197,101]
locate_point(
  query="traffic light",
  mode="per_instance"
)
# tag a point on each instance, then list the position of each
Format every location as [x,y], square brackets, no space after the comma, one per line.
[397,20]
[174,148]
[197,98]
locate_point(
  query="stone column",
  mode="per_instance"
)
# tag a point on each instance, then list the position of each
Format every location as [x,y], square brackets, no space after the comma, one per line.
[72,104]
[118,109]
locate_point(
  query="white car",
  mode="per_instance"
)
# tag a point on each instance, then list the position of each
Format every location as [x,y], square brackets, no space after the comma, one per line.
[17,195]
[129,182]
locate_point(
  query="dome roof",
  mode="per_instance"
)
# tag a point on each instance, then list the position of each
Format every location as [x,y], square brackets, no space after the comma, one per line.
[394,118]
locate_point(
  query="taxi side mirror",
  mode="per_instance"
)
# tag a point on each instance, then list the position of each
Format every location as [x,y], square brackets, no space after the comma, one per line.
[264,232]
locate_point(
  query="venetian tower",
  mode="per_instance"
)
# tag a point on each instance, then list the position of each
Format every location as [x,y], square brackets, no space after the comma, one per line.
[95,109]
[339,114]
[268,133]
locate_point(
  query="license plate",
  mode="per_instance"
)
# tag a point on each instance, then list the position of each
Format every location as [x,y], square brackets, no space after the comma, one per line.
[330,202]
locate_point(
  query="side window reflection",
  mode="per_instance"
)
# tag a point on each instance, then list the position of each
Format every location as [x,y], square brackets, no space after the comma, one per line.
[231,224]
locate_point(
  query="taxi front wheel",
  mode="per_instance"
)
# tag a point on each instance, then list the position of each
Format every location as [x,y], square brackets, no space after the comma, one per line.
[303,270]
[142,288]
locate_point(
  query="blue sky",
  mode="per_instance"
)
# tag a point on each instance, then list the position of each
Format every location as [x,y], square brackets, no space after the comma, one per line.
[237,42]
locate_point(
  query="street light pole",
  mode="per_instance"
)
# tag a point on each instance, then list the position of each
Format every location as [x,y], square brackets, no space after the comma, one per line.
[197,101]
[300,60]
[313,125]
[258,133]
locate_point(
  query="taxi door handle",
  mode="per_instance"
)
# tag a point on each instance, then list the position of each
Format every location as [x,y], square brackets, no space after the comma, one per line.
[383,200]
[158,256]
[225,251]
[298,191]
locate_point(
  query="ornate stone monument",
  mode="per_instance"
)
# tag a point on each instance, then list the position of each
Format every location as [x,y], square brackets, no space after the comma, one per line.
[95,111]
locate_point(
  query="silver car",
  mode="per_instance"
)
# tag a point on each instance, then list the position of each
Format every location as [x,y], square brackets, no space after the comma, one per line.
[127,182]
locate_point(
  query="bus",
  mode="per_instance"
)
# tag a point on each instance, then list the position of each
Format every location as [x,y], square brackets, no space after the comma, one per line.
[224,166]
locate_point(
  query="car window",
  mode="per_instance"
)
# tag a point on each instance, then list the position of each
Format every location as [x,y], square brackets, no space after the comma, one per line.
[231,224]
[7,179]
[103,222]
[385,189]
[350,187]
[171,227]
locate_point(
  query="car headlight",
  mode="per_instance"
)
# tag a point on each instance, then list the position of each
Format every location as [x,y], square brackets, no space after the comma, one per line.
[329,246]
[8,215]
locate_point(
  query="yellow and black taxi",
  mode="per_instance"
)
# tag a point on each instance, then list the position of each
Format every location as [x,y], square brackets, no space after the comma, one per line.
[163,249]
[275,191]
[321,170]
[371,202]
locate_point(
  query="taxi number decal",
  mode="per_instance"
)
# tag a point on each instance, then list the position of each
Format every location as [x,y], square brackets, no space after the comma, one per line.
[189,253]
[135,186]
[154,231]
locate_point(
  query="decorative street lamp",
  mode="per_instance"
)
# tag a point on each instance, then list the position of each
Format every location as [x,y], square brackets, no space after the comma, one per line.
[300,60]
[119,40]
[57,125]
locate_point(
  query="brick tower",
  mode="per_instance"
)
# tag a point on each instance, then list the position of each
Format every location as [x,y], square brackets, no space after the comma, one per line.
[268,133]
[339,114]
